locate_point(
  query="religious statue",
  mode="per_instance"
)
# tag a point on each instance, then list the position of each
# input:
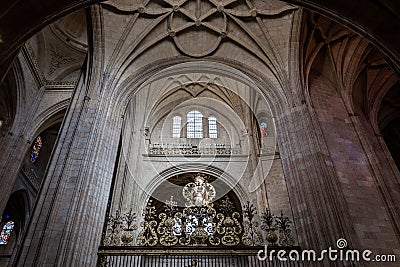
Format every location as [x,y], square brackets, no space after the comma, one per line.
[198,193]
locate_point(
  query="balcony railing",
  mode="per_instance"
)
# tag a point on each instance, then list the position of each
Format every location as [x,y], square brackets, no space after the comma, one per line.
[191,149]
[193,257]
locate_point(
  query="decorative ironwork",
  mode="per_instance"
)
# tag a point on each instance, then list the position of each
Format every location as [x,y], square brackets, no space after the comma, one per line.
[269,225]
[120,228]
[148,235]
[113,230]
[201,223]
[227,206]
[128,227]
[281,223]
[102,262]
[198,225]
[189,257]
[167,227]
[230,228]
[285,236]
[199,193]
[251,235]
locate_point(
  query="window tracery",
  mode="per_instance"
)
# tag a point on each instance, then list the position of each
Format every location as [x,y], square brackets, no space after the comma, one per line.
[264,129]
[176,126]
[194,124]
[6,232]
[36,148]
[212,127]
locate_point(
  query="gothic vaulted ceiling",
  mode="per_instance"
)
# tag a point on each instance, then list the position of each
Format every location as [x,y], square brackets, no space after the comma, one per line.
[57,52]
[379,20]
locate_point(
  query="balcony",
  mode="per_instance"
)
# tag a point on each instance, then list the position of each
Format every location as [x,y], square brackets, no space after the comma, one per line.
[186,149]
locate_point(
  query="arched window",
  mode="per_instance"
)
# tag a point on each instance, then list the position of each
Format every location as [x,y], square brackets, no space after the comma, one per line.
[176,126]
[36,149]
[6,232]
[264,129]
[194,124]
[212,127]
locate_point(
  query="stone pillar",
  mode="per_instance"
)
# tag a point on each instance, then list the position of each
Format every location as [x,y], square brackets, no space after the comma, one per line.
[184,128]
[382,165]
[17,141]
[68,220]
[14,149]
[319,210]
[205,128]
[358,183]
[331,187]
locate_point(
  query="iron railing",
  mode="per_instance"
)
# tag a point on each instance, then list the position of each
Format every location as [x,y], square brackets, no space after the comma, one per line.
[192,257]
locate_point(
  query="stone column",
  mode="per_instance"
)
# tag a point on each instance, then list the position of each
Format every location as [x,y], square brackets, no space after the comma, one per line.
[311,181]
[205,128]
[184,128]
[331,187]
[365,195]
[68,220]
[14,148]
[18,139]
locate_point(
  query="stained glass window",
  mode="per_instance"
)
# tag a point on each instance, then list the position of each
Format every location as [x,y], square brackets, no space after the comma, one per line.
[36,149]
[194,124]
[6,232]
[264,129]
[212,127]
[176,126]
